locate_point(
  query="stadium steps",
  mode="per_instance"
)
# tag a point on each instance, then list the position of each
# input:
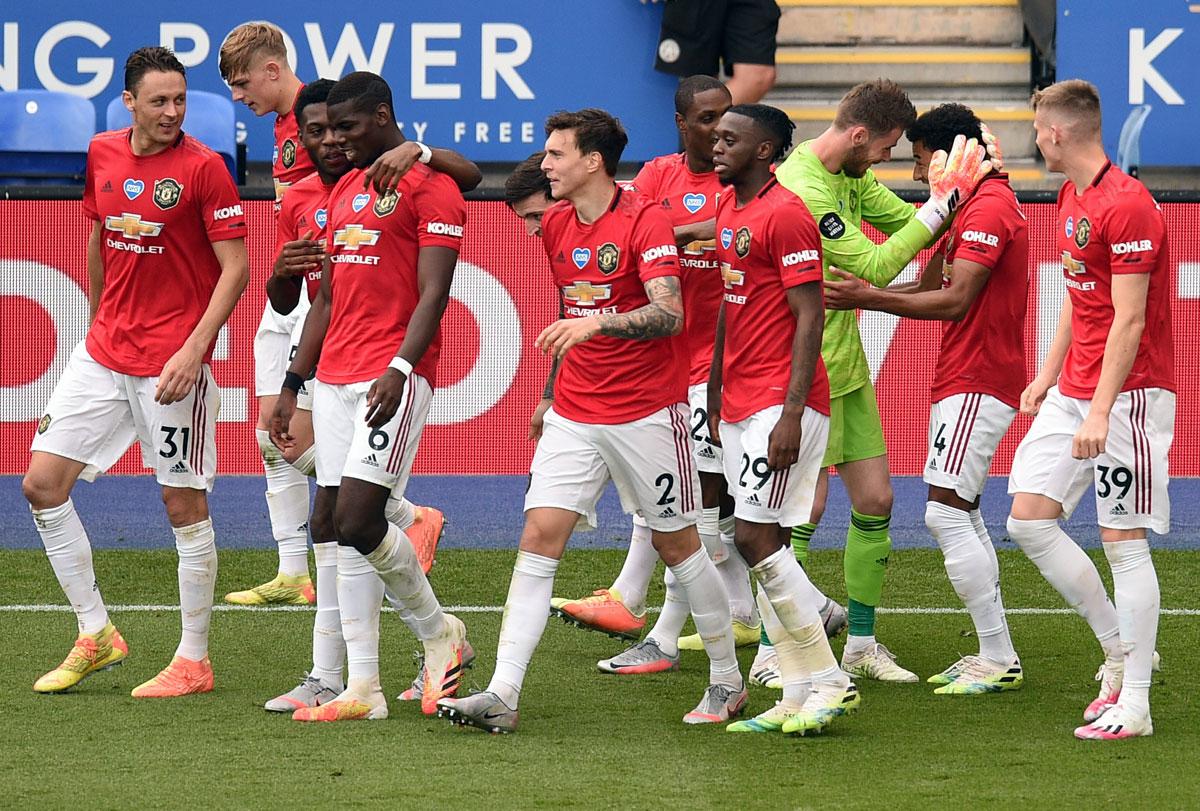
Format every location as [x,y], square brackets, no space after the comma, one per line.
[901,22]
[1004,69]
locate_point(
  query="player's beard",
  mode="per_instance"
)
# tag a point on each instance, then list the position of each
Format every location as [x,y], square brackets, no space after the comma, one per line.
[857,162]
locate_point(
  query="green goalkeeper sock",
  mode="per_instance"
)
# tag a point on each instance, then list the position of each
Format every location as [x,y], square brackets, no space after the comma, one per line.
[801,535]
[763,639]
[867,548]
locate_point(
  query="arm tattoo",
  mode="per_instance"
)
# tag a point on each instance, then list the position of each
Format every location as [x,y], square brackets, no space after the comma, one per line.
[661,318]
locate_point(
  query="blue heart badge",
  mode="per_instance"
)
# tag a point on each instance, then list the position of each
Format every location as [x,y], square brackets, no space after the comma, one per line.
[319,218]
[1069,228]
[694,202]
[360,202]
[581,256]
[726,238]
[133,188]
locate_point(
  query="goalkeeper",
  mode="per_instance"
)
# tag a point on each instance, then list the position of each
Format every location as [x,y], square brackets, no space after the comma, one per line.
[832,174]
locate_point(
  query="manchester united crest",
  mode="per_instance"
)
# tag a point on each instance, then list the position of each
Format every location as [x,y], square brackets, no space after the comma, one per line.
[43,424]
[741,243]
[1082,232]
[288,153]
[167,193]
[385,203]
[608,256]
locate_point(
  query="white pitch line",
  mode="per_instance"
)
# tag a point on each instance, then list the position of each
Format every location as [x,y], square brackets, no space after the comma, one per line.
[50,608]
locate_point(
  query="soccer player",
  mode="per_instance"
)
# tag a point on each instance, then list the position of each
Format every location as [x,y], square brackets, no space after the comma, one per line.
[1105,405]
[769,400]
[166,264]
[375,326]
[976,282]
[832,175]
[618,413]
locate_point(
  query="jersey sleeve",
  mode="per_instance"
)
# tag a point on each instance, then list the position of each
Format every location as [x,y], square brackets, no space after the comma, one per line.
[646,181]
[883,208]
[219,203]
[795,246]
[89,185]
[654,245]
[441,213]
[1134,232]
[983,235]
[846,247]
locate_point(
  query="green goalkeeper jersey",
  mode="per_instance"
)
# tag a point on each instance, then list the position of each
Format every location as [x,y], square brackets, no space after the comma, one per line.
[839,204]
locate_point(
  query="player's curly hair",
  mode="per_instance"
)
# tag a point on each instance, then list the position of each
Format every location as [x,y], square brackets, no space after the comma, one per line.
[880,105]
[937,128]
[312,93]
[144,60]
[365,90]
[773,122]
[693,86]
[595,131]
[526,180]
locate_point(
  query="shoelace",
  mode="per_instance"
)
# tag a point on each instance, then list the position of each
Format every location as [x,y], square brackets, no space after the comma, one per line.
[83,654]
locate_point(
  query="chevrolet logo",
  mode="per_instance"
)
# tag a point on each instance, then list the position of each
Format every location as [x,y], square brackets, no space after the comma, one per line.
[586,292]
[355,236]
[131,225]
[732,277]
[1072,265]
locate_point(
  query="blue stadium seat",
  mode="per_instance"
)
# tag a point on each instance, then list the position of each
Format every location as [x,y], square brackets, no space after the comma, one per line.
[209,119]
[44,137]
[1129,145]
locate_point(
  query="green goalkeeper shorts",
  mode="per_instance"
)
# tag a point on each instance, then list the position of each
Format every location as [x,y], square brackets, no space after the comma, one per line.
[855,431]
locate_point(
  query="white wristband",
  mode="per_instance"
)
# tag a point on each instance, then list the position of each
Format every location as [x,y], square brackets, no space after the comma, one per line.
[933,215]
[401,365]
[426,153]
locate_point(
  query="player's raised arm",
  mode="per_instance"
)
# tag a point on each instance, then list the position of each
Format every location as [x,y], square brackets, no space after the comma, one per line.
[388,168]
[940,304]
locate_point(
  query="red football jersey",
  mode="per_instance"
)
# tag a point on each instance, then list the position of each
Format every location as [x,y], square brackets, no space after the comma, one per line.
[158,216]
[602,268]
[687,198]
[765,247]
[373,243]
[985,351]
[1113,226]
[304,209]
[290,161]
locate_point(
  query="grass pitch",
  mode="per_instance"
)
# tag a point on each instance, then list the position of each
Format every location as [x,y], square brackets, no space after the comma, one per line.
[586,740]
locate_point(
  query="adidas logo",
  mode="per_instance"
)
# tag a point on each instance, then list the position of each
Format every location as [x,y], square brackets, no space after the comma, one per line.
[932,464]
[178,467]
[107,186]
[667,513]
[753,500]
[560,257]
[370,460]
[1118,510]
[707,452]
[666,203]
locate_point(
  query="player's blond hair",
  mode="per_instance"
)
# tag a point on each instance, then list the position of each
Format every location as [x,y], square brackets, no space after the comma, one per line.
[248,42]
[1075,100]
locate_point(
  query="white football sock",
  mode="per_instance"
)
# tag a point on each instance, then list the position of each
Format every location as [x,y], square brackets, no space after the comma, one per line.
[709,603]
[399,511]
[197,548]
[981,532]
[329,649]
[525,613]
[790,593]
[674,614]
[1072,573]
[1135,585]
[360,593]
[633,581]
[797,682]
[735,574]
[287,505]
[975,580]
[397,565]
[306,462]
[70,555]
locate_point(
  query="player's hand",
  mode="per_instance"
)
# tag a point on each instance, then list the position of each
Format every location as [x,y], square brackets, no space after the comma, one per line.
[992,145]
[952,178]
[1090,438]
[179,375]
[1034,394]
[783,445]
[281,420]
[539,415]
[847,293]
[385,173]
[300,256]
[383,398]
[565,333]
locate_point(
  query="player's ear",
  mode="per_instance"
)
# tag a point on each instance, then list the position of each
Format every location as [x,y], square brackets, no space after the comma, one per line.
[859,135]
[765,151]
[383,114]
[272,69]
[595,162]
[680,123]
[127,99]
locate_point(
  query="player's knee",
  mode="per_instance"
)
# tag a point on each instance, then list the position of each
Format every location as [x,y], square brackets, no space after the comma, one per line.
[357,527]
[817,512]
[320,525]
[185,506]
[42,492]
[878,502]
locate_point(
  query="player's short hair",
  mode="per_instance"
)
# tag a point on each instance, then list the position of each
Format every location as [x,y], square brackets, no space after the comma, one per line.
[880,105]
[595,131]
[937,128]
[773,122]
[312,93]
[365,89]
[247,42]
[526,180]
[144,60]
[693,86]
[1077,99]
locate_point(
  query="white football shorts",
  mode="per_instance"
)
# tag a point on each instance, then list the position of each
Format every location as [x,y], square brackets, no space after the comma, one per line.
[964,432]
[708,456]
[273,346]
